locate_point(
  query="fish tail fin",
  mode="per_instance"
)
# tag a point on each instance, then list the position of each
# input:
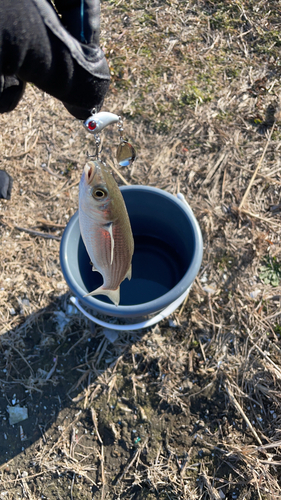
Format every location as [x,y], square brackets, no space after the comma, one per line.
[113,295]
[129,273]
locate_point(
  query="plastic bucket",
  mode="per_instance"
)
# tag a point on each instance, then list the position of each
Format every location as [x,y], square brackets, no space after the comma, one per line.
[167,258]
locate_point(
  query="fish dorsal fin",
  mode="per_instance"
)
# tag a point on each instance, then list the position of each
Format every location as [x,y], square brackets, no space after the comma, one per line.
[108,227]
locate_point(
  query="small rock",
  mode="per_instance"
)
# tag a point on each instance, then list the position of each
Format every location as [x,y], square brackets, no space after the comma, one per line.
[200,423]
[25,302]
[204,452]
[204,278]
[254,294]
[172,324]
[61,320]
[209,289]
[71,310]
[111,335]
[187,384]
[17,414]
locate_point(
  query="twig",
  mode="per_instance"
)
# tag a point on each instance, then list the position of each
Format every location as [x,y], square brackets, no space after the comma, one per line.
[18,381]
[211,323]
[26,491]
[211,313]
[213,492]
[238,408]
[223,184]
[95,422]
[183,306]
[69,187]
[275,444]
[265,355]
[20,478]
[201,390]
[38,233]
[118,173]
[24,152]
[268,359]
[257,168]
[49,223]
[87,391]
[185,462]
[23,358]
[48,169]
[50,373]
[129,465]
[213,170]
[202,350]
[102,473]
[264,177]
[268,221]
[72,484]
[72,443]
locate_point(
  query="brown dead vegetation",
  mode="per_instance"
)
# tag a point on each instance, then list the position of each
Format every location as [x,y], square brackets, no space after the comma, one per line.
[189,409]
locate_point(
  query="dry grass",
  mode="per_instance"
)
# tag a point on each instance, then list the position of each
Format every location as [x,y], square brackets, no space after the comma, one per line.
[189,410]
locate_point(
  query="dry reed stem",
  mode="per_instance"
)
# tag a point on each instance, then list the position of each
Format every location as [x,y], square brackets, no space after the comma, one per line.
[136,455]
[240,410]
[38,234]
[257,168]
[111,164]
[25,152]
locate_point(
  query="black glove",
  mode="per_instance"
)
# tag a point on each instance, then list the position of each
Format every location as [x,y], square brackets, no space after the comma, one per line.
[59,55]
[11,91]
[6,183]
[81,19]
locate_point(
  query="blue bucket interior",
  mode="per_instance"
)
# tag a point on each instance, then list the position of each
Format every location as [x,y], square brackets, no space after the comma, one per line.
[166,260]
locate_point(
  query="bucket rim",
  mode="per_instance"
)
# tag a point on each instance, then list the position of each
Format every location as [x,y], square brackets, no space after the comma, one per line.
[145,308]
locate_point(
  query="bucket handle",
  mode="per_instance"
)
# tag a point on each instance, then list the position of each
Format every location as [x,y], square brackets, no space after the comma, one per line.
[134,326]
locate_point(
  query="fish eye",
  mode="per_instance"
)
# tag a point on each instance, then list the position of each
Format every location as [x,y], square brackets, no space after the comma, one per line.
[99,193]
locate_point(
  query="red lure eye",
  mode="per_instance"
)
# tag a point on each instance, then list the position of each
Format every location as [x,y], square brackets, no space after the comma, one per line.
[92,125]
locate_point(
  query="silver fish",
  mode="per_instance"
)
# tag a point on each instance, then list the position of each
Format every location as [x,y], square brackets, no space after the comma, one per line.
[105,228]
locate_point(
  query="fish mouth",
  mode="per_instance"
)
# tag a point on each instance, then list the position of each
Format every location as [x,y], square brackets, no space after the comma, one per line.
[92,170]
[95,181]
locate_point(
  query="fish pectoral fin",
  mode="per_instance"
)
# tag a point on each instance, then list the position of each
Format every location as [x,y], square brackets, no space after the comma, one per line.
[108,227]
[129,273]
[113,295]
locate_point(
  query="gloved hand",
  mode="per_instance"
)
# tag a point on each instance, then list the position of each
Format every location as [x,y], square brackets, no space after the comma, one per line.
[6,183]
[60,55]
[11,91]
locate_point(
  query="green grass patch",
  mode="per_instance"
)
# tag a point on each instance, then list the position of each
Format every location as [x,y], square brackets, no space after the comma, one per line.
[270,271]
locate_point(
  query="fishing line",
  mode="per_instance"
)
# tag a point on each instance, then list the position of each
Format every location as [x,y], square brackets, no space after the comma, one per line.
[82,35]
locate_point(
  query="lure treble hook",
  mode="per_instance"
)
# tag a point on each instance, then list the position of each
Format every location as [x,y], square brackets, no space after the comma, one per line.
[97,122]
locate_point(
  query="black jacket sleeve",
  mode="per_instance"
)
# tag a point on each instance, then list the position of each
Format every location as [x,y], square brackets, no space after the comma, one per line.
[60,55]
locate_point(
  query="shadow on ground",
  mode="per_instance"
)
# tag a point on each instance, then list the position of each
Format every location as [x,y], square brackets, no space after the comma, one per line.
[38,372]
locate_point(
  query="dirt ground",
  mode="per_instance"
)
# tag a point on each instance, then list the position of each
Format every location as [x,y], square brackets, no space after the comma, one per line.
[190,408]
